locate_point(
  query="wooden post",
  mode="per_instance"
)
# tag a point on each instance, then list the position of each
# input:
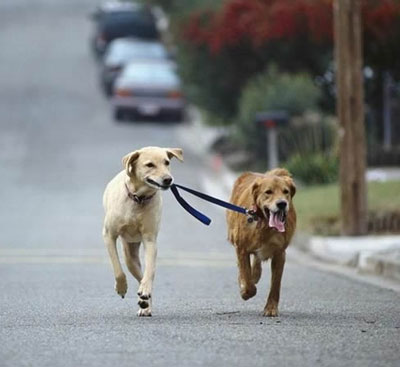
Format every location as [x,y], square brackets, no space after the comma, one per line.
[350,110]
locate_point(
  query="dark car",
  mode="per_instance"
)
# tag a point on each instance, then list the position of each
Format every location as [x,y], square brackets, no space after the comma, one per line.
[124,50]
[122,19]
[148,89]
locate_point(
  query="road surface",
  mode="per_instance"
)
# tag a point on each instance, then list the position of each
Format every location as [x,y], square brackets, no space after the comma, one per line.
[58,149]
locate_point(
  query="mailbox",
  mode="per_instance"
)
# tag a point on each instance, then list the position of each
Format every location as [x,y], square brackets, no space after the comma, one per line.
[267,124]
[272,119]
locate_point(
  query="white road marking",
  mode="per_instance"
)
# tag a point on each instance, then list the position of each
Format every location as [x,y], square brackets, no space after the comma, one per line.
[98,256]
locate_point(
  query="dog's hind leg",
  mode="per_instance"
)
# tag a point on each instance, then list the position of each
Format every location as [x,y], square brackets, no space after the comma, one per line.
[277,264]
[256,268]
[121,286]
[132,260]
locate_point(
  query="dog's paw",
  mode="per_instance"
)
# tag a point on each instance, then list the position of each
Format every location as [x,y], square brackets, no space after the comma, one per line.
[144,312]
[143,304]
[271,311]
[144,292]
[121,285]
[248,292]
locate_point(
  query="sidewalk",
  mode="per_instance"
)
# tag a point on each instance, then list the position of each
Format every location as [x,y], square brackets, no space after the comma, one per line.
[377,255]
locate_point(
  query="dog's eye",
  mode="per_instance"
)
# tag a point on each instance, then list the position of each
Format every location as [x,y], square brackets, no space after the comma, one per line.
[166,163]
[268,192]
[286,191]
[150,165]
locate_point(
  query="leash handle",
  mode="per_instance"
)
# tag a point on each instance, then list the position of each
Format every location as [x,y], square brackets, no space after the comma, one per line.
[200,216]
[213,200]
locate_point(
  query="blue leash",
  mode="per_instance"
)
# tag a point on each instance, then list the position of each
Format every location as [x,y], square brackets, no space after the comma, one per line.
[252,216]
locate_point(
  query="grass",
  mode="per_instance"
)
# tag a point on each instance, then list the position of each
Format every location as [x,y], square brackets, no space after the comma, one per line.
[318,206]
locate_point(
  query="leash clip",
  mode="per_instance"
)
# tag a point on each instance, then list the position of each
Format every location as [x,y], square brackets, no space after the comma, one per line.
[251,215]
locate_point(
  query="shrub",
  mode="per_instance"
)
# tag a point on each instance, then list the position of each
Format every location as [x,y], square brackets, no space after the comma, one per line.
[308,134]
[271,90]
[309,147]
[314,168]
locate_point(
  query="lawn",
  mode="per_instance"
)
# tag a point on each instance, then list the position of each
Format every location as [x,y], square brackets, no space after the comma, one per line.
[318,206]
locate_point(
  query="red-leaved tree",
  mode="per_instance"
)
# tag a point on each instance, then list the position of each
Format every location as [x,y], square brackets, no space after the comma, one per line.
[241,38]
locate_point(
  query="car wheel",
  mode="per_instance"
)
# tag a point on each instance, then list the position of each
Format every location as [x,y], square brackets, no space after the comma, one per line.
[119,115]
[179,116]
[107,90]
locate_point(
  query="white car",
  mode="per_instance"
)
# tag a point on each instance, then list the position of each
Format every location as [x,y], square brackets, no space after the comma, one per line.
[124,50]
[149,89]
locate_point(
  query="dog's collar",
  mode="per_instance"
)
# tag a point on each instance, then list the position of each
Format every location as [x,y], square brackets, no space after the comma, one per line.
[256,211]
[256,214]
[138,199]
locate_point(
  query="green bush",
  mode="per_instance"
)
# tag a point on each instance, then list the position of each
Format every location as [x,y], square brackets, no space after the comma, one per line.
[314,168]
[310,133]
[309,147]
[271,90]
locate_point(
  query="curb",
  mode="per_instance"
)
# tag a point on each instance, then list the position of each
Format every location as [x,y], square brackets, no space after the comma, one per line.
[386,264]
[377,255]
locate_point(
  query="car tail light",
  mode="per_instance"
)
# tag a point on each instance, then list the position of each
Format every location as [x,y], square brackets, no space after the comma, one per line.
[102,37]
[175,94]
[116,68]
[121,92]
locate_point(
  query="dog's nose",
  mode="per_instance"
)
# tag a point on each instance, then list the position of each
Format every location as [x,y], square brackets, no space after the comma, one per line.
[167,181]
[281,205]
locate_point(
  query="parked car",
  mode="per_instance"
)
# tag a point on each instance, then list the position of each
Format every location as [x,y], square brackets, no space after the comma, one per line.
[149,89]
[123,50]
[117,19]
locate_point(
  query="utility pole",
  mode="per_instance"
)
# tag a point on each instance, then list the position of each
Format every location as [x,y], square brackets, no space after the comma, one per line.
[387,110]
[350,110]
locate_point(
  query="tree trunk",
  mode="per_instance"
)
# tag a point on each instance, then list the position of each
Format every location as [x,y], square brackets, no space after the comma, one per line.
[350,110]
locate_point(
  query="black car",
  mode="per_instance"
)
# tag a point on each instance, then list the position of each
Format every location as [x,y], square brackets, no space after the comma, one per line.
[122,19]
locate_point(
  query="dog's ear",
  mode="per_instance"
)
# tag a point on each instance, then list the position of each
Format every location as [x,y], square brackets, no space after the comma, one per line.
[255,188]
[291,184]
[175,152]
[128,161]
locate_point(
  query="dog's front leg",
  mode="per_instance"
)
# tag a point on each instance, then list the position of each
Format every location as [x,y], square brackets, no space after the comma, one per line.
[246,284]
[277,264]
[121,285]
[146,285]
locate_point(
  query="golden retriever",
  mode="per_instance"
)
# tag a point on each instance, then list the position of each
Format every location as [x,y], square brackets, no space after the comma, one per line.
[132,204]
[270,195]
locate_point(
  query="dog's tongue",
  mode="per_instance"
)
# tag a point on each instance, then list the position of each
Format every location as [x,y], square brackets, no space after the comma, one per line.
[276,222]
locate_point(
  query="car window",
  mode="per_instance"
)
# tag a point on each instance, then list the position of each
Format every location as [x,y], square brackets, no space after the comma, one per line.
[148,73]
[121,52]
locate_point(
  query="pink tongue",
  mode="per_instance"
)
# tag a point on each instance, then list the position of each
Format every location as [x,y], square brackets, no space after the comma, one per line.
[275,222]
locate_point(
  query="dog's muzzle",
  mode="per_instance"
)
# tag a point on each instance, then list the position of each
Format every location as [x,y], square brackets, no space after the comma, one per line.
[165,185]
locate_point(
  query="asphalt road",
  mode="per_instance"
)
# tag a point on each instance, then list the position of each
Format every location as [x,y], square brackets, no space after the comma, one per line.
[58,148]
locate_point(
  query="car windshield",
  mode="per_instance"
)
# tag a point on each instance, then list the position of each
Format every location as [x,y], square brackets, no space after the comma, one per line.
[123,51]
[120,24]
[150,73]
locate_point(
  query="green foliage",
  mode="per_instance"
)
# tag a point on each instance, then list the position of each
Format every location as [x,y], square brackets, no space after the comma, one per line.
[308,134]
[215,81]
[309,147]
[314,168]
[271,90]
[179,8]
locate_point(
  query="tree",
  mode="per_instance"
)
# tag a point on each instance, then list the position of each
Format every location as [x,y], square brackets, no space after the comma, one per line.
[241,37]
